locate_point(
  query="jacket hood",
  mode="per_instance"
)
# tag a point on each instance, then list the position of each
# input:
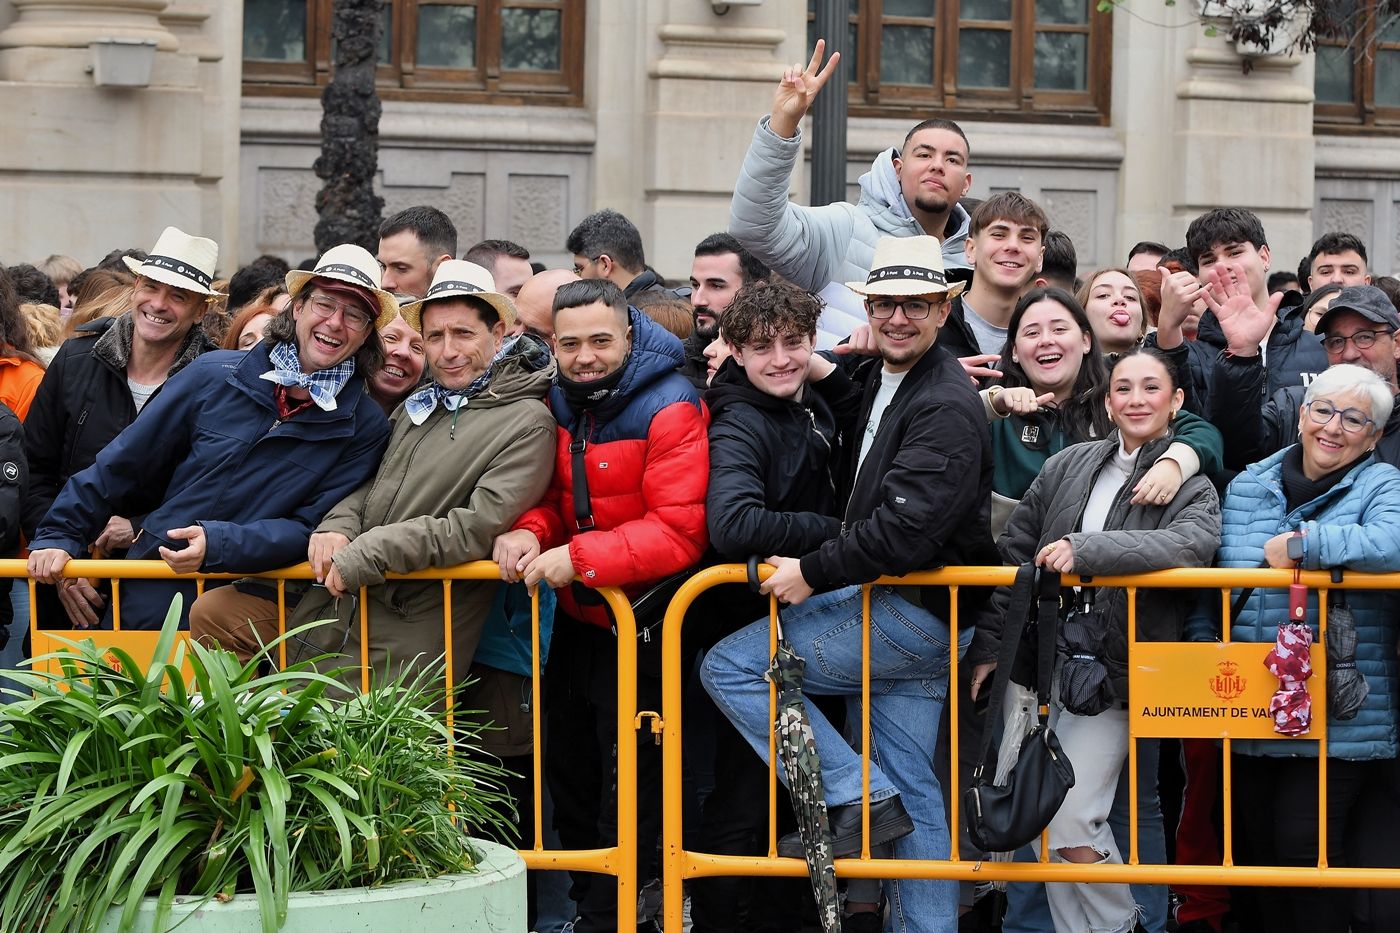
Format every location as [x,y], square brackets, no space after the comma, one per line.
[525,371]
[731,385]
[882,196]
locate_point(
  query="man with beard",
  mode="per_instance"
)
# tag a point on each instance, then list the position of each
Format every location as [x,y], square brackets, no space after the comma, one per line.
[910,191]
[721,267]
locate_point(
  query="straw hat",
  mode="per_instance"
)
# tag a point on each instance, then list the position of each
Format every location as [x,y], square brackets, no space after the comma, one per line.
[180,260]
[352,265]
[457,278]
[907,265]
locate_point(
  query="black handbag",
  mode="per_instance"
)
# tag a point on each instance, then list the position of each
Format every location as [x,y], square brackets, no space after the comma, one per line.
[1004,817]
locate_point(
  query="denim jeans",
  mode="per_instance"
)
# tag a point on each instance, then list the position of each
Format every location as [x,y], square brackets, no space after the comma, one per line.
[908,684]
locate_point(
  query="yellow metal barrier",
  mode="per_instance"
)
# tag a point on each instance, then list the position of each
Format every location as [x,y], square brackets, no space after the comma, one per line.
[619,860]
[679,864]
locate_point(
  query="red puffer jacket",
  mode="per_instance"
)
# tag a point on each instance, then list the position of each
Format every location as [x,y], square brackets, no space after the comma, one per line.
[648,464]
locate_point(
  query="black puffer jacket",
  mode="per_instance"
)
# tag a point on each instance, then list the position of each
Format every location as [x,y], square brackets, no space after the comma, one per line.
[1184,532]
[922,497]
[81,405]
[1292,357]
[771,460]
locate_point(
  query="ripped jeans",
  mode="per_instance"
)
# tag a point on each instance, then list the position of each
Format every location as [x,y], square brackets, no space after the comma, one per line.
[1097,746]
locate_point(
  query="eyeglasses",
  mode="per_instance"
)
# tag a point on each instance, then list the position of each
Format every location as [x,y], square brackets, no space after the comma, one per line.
[915,309]
[1363,339]
[590,260]
[1354,421]
[324,308]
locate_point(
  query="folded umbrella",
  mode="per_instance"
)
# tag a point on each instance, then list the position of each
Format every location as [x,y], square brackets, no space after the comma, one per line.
[1291,662]
[1346,687]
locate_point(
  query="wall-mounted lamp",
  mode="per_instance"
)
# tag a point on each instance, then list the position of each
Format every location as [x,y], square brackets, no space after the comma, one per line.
[119,62]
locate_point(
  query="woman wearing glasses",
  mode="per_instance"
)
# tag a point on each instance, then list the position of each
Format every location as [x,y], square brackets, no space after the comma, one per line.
[1323,502]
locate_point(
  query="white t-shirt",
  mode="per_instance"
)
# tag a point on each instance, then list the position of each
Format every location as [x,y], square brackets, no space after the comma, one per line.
[989,337]
[141,393]
[889,385]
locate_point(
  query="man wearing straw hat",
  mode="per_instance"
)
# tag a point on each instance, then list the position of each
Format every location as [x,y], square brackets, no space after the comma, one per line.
[241,454]
[915,483]
[96,385]
[468,454]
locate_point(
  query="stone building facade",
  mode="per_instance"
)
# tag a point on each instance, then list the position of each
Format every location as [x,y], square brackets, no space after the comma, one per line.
[519,117]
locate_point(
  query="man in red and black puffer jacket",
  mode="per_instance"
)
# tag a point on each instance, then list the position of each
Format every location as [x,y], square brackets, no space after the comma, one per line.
[638,430]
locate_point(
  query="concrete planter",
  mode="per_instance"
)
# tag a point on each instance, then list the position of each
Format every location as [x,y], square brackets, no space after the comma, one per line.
[491,899]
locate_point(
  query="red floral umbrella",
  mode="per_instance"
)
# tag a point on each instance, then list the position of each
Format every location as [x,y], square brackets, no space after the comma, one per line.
[1291,663]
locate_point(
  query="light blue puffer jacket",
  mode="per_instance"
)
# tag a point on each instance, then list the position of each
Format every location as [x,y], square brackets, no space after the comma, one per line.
[1355,525]
[820,248]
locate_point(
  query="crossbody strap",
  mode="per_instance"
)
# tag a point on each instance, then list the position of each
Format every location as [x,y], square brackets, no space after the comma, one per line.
[583,504]
[1017,617]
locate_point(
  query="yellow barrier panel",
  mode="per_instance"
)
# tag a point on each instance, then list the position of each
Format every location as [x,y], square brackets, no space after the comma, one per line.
[619,860]
[1155,667]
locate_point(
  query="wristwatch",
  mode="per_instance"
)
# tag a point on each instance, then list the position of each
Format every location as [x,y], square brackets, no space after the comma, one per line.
[1296,549]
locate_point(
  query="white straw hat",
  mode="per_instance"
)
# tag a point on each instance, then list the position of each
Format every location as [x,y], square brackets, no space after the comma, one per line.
[352,265]
[457,278]
[907,265]
[180,260]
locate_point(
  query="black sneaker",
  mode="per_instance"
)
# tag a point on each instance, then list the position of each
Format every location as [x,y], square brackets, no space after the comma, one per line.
[888,822]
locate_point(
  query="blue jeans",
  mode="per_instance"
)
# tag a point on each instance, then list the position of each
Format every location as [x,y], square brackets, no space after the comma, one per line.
[908,684]
[1026,907]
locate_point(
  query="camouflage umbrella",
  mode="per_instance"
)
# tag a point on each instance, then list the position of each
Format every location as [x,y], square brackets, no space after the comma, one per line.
[797,750]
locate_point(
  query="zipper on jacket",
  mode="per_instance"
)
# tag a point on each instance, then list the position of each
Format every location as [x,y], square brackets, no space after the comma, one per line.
[830,482]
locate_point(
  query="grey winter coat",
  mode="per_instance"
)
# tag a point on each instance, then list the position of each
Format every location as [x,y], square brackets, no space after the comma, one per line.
[817,247]
[1136,539]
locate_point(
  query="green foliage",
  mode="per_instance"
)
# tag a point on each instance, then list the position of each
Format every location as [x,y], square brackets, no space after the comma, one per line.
[116,784]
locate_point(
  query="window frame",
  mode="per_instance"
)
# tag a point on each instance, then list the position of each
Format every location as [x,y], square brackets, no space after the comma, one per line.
[1361,115]
[404,79]
[869,96]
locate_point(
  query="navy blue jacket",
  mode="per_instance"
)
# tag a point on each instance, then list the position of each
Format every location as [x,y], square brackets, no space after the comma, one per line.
[209,449]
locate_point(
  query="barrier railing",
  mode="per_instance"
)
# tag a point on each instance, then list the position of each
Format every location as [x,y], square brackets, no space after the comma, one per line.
[679,864]
[619,860]
[1156,667]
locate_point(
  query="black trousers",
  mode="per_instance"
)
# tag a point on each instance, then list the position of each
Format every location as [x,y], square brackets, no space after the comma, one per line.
[1275,802]
[581,763]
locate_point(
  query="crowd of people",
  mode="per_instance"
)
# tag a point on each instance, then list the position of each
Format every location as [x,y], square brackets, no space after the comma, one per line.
[915,380]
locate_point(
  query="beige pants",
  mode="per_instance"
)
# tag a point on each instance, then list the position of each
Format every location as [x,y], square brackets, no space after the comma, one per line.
[225,618]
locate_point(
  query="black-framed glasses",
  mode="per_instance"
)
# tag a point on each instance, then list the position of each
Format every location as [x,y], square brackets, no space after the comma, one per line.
[325,308]
[1354,420]
[1363,339]
[915,309]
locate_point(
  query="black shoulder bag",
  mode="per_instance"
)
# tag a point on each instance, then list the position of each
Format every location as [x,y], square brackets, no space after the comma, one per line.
[1004,817]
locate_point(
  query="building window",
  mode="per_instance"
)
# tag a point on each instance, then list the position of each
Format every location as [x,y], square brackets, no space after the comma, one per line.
[1357,79]
[999,58]
[501,51]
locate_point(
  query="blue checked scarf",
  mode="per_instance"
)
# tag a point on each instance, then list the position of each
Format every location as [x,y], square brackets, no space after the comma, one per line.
[420,404]
[323,385]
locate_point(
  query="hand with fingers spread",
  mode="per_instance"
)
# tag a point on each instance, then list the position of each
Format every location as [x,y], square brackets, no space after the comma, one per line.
[1180,292]
[1159,484]
[798,89]
[979,367]
[1020,400]
[1245,323]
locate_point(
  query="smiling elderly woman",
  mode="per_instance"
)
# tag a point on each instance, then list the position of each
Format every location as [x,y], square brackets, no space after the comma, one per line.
[1340,507]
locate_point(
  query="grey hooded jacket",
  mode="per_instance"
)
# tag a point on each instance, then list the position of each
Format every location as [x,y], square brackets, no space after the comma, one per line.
[821,248]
